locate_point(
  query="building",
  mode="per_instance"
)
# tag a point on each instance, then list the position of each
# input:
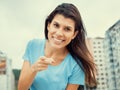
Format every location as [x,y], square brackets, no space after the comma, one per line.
[112,48]
[96,47]
[7,81]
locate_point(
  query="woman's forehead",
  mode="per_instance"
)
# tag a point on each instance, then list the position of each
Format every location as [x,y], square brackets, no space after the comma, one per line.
[59,18]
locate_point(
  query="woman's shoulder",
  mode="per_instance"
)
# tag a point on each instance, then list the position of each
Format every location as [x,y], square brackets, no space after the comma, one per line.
[36,42]
[71,59]
[74,62]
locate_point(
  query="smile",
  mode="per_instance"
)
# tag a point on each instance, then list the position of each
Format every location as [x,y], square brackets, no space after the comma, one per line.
[58,41]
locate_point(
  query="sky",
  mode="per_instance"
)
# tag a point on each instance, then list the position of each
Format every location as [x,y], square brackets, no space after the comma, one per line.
[23,20]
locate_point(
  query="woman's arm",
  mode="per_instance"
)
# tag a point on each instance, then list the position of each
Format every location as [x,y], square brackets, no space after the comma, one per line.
[72,87]
[29,71]
[26,76]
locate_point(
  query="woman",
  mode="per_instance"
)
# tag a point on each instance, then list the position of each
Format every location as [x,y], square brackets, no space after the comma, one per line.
[61,61]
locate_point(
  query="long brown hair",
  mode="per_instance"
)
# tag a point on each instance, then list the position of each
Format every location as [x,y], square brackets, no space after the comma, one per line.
[77,47]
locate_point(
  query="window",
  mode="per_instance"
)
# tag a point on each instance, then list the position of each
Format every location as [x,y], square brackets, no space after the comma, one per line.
[102,78]
[94,43]
[103,83]
[99,47]
[111,60]
[100,60]
[98,42]
[101,73]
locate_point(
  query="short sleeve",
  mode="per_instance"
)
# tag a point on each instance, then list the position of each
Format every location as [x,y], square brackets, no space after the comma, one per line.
[26,55]
[77,76]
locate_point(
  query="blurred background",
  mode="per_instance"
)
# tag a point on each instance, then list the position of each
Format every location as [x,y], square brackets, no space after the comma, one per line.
[23,20]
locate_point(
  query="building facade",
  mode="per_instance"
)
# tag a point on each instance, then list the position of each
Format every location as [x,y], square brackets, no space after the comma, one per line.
[112,49]
[96,47]
[7,80]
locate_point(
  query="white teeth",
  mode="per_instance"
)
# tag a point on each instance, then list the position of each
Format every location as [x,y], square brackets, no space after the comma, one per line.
[58,40]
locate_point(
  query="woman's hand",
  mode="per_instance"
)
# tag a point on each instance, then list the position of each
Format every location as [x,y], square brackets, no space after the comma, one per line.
[42,64]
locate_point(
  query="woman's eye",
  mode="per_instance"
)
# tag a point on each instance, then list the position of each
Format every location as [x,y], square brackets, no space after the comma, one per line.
[67,29]
[56,25]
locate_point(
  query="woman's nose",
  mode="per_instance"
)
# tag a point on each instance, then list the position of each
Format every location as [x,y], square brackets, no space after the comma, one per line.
[59,32]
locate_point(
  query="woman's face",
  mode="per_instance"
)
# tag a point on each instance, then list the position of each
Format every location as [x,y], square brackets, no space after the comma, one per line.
[61,31]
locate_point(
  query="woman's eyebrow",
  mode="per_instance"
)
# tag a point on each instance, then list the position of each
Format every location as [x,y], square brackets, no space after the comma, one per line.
[55,21]
[70,27]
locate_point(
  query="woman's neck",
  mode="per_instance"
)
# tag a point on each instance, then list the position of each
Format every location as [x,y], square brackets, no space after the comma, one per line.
[53,52]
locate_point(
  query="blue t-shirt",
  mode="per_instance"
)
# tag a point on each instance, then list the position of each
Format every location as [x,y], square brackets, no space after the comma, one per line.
[55,77]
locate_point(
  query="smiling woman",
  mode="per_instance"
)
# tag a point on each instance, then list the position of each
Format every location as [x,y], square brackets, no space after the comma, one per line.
[61,61]
[61,33]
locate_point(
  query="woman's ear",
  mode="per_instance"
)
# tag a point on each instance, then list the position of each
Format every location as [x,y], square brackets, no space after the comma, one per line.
[75,34]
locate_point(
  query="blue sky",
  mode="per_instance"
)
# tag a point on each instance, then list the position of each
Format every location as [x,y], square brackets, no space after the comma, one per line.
[22,20]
